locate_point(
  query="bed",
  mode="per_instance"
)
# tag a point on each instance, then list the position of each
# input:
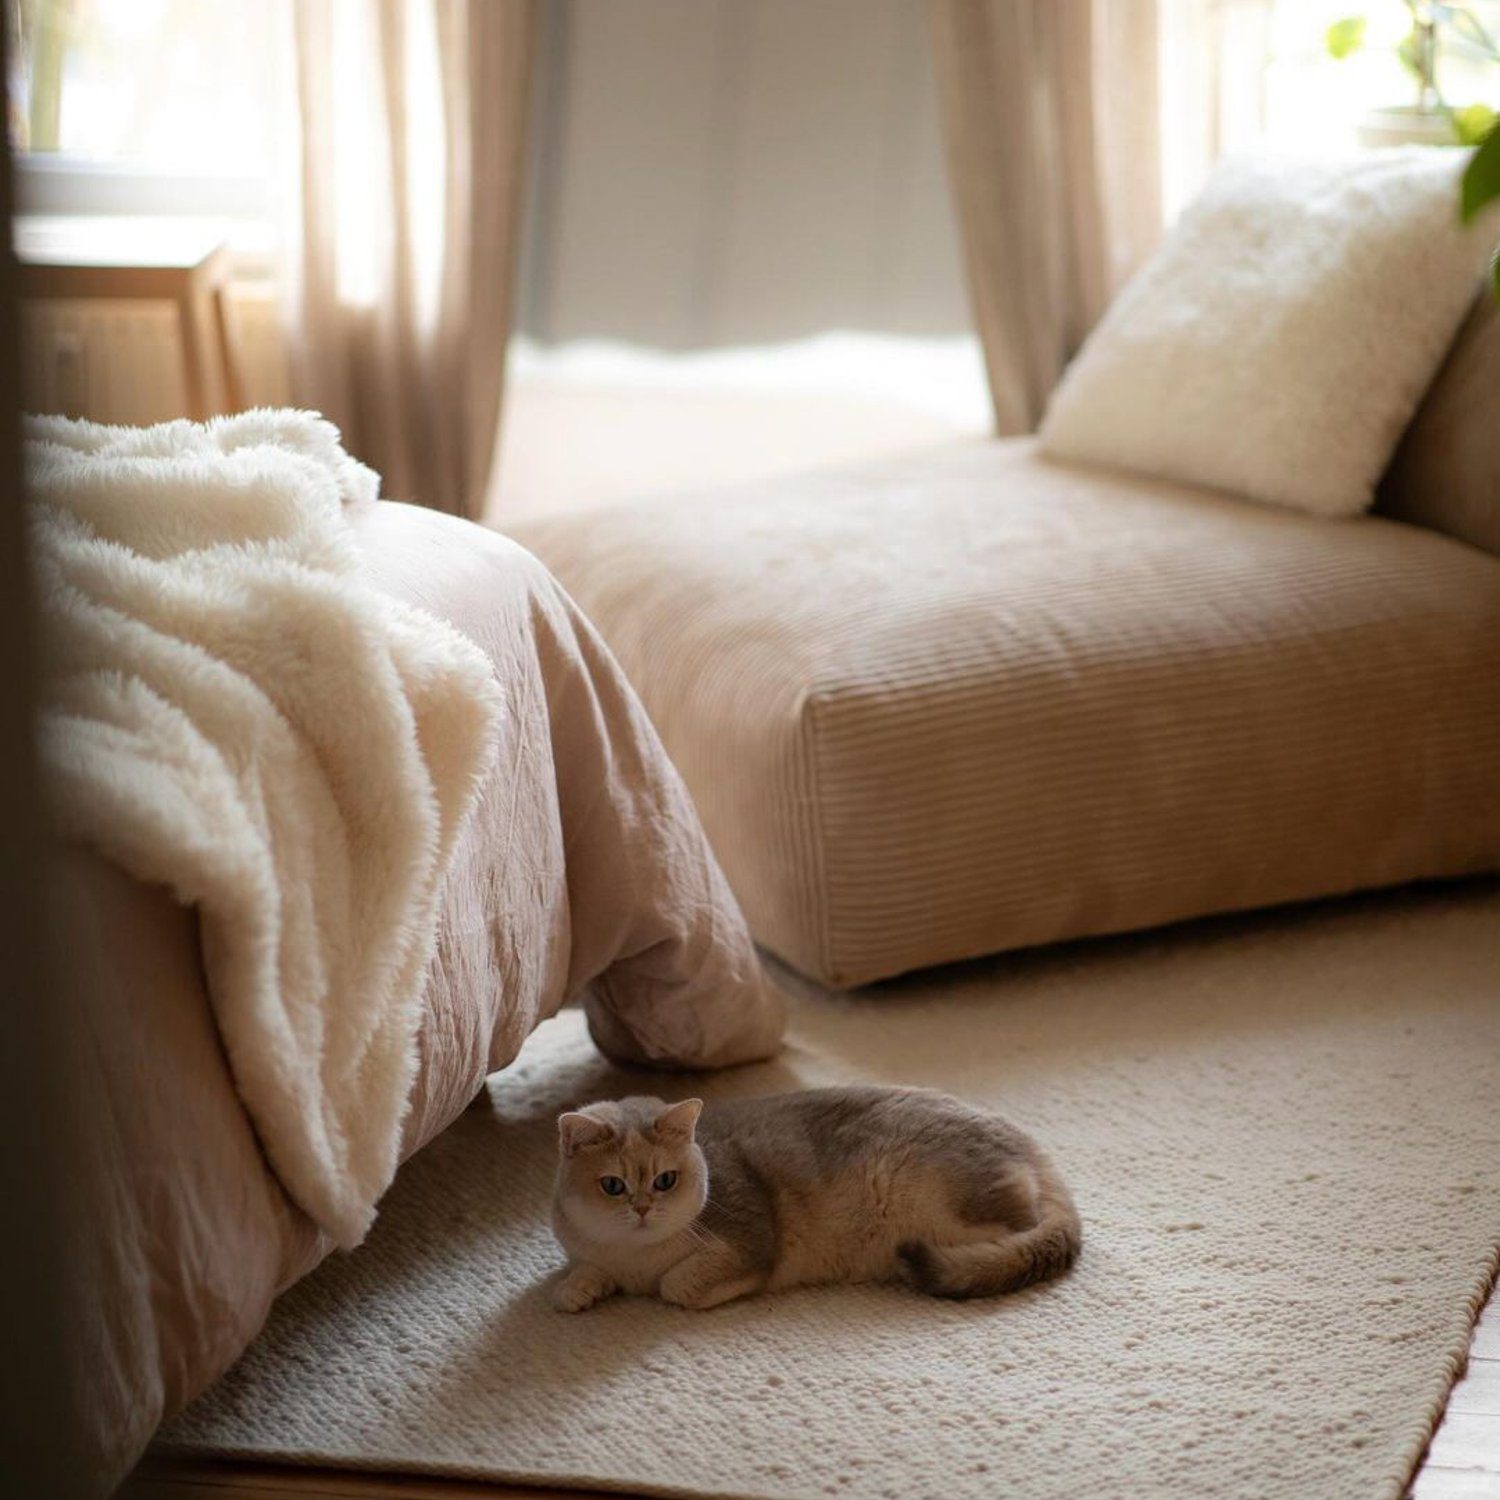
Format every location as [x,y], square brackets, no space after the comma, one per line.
[582,875]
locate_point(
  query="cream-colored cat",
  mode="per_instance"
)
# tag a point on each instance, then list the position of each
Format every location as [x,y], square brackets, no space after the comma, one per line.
[847,1184]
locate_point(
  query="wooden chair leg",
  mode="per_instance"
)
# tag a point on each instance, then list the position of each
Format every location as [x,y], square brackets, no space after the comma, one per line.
[195,356]
[205,342]
[229,365]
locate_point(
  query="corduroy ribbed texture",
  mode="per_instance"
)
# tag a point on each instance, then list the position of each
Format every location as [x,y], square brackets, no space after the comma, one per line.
[1446,473]
[976,699]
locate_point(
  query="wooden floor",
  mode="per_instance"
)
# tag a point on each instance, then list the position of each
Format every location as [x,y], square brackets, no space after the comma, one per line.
[258,1482]
[1463,1462]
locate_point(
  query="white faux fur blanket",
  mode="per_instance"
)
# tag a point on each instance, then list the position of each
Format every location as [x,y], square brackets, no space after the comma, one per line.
[229,709]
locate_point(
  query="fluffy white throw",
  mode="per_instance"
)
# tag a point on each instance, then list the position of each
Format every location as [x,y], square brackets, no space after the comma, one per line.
[230,709]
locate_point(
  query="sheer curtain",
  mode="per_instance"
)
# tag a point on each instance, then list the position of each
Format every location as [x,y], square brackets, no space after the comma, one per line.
[1050,116]
[1214,55]
[404,230]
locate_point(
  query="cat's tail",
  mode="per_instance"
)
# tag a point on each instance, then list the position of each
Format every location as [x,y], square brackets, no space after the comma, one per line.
[1010,1261]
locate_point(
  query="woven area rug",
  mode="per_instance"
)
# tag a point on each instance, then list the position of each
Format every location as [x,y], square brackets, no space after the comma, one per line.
[1284,1136]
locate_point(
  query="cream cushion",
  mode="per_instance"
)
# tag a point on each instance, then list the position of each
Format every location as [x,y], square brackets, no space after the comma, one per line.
[1278,342]
[976,699]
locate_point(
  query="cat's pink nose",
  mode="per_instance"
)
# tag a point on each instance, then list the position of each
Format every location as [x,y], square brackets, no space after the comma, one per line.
[643,1209]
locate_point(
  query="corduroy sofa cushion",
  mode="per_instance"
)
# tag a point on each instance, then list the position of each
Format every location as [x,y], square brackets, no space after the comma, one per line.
[976,699]
[1446,473]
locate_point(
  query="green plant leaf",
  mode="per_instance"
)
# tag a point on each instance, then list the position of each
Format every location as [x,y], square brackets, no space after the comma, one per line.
[1481,182]
[1472,123]
[1410,54]
[1345,36]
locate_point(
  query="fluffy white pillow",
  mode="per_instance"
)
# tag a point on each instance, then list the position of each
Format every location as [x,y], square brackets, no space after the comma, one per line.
[1278,342]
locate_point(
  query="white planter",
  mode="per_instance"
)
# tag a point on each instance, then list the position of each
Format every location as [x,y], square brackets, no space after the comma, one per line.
[1406,125]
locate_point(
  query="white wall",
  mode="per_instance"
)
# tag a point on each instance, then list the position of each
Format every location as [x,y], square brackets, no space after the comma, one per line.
[727,171]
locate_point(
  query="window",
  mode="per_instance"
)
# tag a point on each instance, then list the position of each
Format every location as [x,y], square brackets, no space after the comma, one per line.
[145,106]
[1312,96]
[1311,75]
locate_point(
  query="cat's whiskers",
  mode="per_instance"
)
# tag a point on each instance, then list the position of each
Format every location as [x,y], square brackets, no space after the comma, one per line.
[701,1232]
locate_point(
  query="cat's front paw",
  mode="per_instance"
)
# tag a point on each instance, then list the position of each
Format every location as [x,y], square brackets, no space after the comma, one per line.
[580,1289]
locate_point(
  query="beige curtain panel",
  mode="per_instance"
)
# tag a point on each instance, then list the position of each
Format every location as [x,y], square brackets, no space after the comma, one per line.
[404,235]
[1050,112]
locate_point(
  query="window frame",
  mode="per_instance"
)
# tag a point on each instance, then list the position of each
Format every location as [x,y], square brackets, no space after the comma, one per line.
[58,185]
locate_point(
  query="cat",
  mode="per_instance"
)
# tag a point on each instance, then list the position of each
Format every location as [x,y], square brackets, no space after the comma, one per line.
[700,1205]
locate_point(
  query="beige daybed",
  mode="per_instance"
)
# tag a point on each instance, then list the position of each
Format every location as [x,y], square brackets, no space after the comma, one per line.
[976,699]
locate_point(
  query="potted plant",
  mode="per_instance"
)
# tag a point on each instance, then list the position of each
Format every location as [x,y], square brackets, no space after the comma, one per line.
[1437,29]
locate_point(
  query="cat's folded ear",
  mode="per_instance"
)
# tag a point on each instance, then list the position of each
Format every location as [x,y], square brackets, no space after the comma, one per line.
[576,1131]
[676,1121]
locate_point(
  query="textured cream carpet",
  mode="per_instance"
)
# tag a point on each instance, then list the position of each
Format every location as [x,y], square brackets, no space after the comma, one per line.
[1284,1137]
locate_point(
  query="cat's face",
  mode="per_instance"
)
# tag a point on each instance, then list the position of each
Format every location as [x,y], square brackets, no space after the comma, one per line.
[629,1171]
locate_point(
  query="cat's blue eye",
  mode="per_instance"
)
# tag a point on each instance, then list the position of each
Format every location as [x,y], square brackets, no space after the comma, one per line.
[614,1186]
[665,1182]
